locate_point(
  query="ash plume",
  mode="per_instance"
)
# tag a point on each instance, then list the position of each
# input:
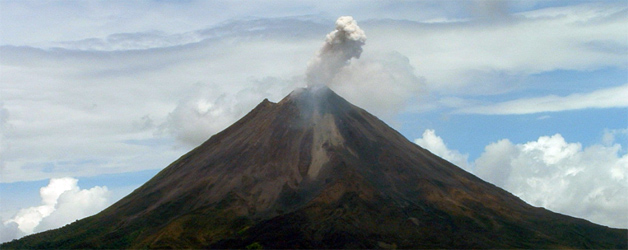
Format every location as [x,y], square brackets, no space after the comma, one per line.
[340,46]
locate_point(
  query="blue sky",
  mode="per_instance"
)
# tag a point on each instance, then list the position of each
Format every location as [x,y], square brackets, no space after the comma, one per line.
[98,96]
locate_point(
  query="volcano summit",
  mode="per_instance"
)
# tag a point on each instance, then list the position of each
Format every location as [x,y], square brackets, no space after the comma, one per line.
[314,171]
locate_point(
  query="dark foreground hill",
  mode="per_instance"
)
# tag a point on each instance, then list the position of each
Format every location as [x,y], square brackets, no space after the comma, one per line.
[314,171]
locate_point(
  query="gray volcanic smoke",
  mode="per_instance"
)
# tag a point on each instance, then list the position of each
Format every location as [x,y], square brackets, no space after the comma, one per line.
[340,46]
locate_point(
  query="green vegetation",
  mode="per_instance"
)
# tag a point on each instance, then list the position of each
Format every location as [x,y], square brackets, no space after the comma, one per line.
[243,230]
[254,245]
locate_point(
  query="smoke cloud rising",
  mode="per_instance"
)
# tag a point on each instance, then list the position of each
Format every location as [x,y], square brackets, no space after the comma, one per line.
[340,46]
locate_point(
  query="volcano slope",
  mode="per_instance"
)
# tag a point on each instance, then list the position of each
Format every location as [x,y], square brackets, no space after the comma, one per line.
[314,171]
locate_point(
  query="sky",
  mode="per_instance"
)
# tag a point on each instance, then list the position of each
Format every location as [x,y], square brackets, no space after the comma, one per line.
[96,97]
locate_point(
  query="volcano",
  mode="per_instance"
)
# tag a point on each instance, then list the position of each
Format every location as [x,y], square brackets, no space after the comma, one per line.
[314,171]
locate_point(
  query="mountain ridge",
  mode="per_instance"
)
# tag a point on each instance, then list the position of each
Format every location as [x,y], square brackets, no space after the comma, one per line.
[315,171]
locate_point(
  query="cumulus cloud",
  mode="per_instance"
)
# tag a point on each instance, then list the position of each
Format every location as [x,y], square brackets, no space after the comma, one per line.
[590,182]
[62,202]
[382,83]
[614,97]
[437,146]
[9,231]
[207,110]
[340,46]
[499,155]
[29,218]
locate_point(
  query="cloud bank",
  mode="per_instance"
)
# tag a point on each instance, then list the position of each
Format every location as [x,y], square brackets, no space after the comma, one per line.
[590,183]
[62,202]
[104,101]
[484,57]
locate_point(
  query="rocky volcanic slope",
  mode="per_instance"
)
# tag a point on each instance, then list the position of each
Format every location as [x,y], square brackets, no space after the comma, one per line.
[314,171]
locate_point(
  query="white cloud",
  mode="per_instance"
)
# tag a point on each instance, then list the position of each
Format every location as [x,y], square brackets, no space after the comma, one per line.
[610,135]
[489,57]
[590,183]
[498,155]
[62,202]
[30,22]
[29,218]
[75,204]
[437,146]
[9,231]
[614,97]
[74,112]
[4,127]
[207,110]
[383,84]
